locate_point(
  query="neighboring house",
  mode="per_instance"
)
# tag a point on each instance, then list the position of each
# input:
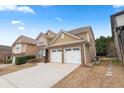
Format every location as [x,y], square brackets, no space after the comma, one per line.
[43,40]
[117,25]
[5,52]
[76,46]
[24,46]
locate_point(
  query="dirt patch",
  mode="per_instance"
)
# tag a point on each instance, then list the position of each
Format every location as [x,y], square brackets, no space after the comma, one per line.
[15,68]
[95,77]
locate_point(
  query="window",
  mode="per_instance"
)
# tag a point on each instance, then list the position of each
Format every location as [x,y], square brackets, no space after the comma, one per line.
[53,50]
[76,49]
[59,50]
[69,49]
[62,36]
[41,41]
[18,48]
[41,53]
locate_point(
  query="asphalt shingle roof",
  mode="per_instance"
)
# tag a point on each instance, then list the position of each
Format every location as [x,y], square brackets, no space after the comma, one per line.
[80,30]
[5,48]
[25,39]
[28,40]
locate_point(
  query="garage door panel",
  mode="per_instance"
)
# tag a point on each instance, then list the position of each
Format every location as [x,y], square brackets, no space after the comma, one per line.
[72,55]
[56,56]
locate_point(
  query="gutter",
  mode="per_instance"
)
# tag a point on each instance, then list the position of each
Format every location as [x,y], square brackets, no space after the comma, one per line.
[74,42]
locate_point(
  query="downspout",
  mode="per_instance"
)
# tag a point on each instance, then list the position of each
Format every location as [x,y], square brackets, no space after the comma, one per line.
[85,56]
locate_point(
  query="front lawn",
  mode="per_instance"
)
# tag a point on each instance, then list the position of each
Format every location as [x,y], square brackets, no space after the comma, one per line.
[15,68]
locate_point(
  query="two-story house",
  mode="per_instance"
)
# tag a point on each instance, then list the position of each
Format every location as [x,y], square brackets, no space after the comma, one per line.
[43,40]
[76,46]
[24,46]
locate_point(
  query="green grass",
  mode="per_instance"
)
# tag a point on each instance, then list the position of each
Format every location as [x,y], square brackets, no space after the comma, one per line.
[115,61]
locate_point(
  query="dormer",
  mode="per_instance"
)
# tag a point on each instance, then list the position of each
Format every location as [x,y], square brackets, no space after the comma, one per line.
[50,34]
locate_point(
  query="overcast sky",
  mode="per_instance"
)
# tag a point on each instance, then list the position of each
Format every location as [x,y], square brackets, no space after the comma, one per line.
[31,20]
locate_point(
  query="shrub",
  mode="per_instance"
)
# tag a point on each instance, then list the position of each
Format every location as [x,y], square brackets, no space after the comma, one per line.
[24,59]
[5,61]
[36,60]
[30,57]
[8,61]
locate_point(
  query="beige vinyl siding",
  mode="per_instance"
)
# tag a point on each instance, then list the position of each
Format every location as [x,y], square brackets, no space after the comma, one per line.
[50,34]
[83,35]
[66,39]
[88,54]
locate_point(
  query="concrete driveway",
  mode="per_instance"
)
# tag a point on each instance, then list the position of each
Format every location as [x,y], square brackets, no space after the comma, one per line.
[5,65]
[41,76]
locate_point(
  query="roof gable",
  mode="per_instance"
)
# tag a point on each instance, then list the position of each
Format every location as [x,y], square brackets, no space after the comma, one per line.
[50,34]
[17,40]
[66,38]
[49,31]
[25,39]
[41,35]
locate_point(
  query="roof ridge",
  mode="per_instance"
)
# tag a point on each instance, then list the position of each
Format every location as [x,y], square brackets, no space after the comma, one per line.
[27,37]
[81,27]
[49,30]
[5,45]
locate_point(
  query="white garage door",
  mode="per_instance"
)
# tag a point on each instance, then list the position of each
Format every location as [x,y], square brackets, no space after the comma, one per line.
[56,56]
[72,55]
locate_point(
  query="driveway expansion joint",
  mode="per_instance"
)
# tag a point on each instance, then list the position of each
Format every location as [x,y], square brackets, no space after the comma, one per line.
[9,82]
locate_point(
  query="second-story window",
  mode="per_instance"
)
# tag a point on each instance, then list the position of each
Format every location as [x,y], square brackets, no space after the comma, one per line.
[41,41]
[18,48]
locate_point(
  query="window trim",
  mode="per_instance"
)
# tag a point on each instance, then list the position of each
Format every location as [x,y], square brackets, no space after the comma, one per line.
[18,48]
[76,49]
[54,50]
[59,50]
[68,49]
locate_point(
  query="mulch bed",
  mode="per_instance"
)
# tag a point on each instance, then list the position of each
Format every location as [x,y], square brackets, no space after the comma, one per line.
[14,68]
